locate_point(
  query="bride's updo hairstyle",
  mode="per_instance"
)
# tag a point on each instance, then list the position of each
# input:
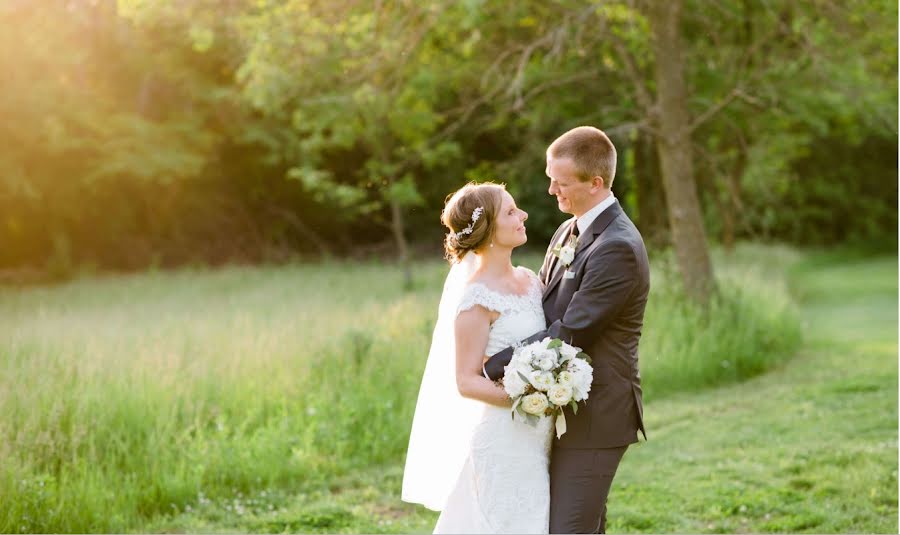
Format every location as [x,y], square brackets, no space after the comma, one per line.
[466,235]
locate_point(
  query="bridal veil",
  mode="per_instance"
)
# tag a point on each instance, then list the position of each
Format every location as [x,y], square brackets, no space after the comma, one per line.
[444,420]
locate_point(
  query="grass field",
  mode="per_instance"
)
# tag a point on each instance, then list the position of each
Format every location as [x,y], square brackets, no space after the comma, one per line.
[279,399]
[808,447]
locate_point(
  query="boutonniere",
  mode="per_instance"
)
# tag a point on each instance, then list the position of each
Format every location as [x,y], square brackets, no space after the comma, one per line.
[566,252]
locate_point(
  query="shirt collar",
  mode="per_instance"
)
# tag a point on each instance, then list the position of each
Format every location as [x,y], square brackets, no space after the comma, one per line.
[584,222]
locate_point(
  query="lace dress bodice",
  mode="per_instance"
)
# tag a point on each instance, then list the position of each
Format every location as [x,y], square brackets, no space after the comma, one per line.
[520,315]
[504,486]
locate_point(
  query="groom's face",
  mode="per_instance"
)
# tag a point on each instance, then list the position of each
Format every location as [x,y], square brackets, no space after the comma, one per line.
[573,196]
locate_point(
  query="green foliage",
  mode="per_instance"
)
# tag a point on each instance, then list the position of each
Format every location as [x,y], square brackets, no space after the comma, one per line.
[172,133]
[796,153]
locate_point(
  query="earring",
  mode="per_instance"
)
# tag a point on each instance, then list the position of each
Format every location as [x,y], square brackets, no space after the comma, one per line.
[492,244]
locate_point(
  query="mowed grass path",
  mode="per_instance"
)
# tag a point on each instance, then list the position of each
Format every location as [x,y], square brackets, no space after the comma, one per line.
[808,447]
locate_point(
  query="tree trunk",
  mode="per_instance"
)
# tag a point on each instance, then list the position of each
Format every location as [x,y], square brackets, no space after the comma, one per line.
[675,152]
[400,239]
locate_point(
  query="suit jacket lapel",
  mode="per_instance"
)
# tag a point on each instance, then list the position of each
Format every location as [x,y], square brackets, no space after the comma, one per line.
[554,281]
[548,265]
[585,240]
[550,259]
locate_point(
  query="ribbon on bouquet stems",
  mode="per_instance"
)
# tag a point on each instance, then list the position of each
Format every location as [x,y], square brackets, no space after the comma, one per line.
[560,424]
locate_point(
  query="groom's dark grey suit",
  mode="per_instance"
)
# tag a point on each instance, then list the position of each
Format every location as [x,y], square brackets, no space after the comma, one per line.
[596,304]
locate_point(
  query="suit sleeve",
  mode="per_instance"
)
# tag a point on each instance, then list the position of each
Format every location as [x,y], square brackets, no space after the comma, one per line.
[611,275]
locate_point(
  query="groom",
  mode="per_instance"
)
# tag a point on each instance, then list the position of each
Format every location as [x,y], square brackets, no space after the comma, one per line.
[594,300]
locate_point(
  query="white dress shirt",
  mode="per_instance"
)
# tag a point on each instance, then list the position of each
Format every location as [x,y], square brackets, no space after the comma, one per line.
[584,222]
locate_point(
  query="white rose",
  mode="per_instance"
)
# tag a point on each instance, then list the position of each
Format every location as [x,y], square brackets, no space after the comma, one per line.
[520,365]
[535,403]
[524,354]
[524,368]
[521,362]
[542,380]
[565,377]
[569,351]
[582,374]
[579,367]
[542,355]
[566,255]
[512,382]
[580,391]
[560,394]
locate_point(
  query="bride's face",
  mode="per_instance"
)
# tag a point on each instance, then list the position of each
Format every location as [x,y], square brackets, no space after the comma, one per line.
[510,228]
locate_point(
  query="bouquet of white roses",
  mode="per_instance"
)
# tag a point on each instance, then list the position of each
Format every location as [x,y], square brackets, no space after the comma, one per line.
[543,377]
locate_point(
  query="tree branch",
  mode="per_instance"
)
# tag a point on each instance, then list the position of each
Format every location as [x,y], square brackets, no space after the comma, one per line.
[549,84]
[643,95]
[712,110]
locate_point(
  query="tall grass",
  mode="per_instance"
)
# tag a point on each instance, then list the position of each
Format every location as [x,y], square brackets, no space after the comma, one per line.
[123,399]
[749,326]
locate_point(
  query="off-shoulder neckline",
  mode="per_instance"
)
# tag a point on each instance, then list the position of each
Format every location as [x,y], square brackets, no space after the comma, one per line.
[535,281]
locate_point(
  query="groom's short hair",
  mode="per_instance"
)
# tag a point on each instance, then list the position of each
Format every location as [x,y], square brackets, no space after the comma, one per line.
[590,150]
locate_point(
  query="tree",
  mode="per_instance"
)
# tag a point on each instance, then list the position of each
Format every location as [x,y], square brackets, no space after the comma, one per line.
[675,149]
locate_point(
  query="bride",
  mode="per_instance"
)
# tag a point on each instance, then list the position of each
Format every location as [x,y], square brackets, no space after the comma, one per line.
[467,457]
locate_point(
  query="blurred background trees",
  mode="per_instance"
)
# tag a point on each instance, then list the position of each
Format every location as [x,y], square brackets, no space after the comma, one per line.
[141,133]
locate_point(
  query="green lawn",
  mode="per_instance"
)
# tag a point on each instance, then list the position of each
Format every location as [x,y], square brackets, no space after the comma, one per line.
[808,447]
[228,401]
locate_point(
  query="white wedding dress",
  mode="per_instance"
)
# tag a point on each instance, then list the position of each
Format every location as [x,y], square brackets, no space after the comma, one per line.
[504,485]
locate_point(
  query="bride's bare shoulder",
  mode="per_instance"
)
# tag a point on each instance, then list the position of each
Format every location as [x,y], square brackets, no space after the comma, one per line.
[485,281]
[526,272]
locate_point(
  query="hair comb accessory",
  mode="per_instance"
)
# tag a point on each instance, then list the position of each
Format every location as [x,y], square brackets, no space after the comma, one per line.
[468,230]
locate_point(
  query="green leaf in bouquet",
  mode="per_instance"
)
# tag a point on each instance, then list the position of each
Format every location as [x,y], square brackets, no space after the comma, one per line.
[522,414]
[526,379]
[574,406]
[584,356]
[555,343]
[515,406]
